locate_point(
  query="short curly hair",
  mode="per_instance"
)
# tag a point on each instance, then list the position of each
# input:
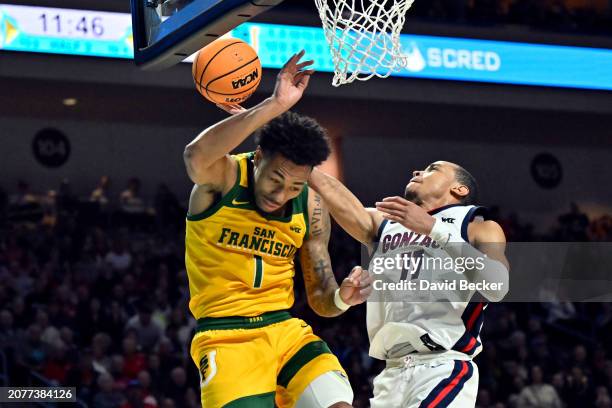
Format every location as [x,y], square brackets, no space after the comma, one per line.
[298,138]
[465,177]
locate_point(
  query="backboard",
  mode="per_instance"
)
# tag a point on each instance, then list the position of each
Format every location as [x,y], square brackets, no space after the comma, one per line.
[168,31]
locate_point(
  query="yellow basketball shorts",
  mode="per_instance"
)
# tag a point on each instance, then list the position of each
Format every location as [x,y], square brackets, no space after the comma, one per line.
[257,362]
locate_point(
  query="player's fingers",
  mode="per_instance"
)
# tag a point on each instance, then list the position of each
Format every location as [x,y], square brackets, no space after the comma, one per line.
[304,64]
[392,217]
[302,78]
[291,61]
[367,281]
[290,65]
[299,55]
[396,199]
[228,108]
[365,292]
[302,83]
[390,211]
[391,205]
[348,282]
[355,277]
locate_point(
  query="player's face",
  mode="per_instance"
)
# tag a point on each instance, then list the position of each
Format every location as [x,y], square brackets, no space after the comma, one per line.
[277,180]
[432,183]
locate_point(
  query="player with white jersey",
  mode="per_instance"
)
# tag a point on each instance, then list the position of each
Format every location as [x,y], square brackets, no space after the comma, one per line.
[427,337]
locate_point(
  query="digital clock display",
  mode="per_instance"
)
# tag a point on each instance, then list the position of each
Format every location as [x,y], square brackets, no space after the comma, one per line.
[66,31]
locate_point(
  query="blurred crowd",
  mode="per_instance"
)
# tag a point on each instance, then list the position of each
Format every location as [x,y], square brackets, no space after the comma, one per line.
[94,294]
[577,16]
[571,16]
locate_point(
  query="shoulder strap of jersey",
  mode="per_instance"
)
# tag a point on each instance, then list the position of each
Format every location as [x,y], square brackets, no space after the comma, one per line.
[472,213]
[241,160]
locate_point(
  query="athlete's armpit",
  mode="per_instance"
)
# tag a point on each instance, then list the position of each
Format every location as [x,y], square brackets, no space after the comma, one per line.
[318,275]
[204,195]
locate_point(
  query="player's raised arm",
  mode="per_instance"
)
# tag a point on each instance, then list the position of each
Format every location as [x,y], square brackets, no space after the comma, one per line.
[324,296]
[359,222]
[206,157]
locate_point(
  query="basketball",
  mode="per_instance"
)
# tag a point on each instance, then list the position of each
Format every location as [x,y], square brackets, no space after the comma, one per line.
[227,71]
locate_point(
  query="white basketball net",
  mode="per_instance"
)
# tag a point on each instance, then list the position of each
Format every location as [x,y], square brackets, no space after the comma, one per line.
[364,37]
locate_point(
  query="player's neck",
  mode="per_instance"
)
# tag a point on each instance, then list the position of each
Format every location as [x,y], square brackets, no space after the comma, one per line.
[430,205]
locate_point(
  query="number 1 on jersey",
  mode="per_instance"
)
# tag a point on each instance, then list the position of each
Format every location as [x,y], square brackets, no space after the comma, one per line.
[258,271]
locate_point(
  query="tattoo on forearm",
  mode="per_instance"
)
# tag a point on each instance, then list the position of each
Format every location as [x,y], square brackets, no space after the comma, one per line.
[324,273]
[320,282]
[320,222]
[317,213]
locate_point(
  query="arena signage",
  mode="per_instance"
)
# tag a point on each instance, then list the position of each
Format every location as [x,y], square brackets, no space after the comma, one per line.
[104,34]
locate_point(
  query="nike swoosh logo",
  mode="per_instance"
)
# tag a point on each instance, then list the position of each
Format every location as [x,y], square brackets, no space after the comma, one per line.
[239,202]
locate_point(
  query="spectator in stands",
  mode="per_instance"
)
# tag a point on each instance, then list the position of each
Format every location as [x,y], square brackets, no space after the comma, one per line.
[66,200]
[118,371]
[23,196]
[50,335]
[167,356]
[57,365]
[100,193]
[134,361]
[578,388]
[130,199]
[119,257]
[115,320]
[8,334]
[602,398]
[137,397]
[107,397]
[147,330]
[573,225]
[82,375]
[100,344]
[147,391]
[538,394]
[176,388]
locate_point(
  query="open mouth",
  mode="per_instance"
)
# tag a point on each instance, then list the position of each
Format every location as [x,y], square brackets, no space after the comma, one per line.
[270,204]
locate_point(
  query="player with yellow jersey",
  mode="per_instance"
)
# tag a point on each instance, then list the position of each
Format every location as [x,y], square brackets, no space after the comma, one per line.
[249,215]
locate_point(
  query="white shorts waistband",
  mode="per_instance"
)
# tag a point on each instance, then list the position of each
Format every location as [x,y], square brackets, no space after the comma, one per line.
[415,359]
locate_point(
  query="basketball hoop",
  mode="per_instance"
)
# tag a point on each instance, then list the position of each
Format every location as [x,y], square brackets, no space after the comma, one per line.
[364,37]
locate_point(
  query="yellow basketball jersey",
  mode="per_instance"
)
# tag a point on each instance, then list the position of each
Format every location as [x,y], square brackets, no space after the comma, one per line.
[240,261]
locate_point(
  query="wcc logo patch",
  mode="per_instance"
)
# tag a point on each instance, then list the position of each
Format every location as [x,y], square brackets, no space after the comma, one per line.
[295,229]
[448,220]
[208,368]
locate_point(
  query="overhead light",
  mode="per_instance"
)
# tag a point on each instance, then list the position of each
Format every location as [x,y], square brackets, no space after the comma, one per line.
[70,101]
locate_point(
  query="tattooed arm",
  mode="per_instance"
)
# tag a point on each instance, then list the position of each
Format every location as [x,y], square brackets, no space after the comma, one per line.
[319,277]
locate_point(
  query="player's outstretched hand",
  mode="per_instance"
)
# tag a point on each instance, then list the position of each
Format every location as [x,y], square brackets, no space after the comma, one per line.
[407,213]
[292,80]
[356,288]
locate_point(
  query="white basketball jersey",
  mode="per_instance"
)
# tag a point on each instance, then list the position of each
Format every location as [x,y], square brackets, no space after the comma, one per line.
[397,328]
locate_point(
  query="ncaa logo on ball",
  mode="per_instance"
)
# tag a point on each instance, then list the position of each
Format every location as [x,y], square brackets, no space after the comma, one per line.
[241,82]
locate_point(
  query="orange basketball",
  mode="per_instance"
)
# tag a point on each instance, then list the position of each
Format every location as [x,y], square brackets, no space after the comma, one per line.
[226,71]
